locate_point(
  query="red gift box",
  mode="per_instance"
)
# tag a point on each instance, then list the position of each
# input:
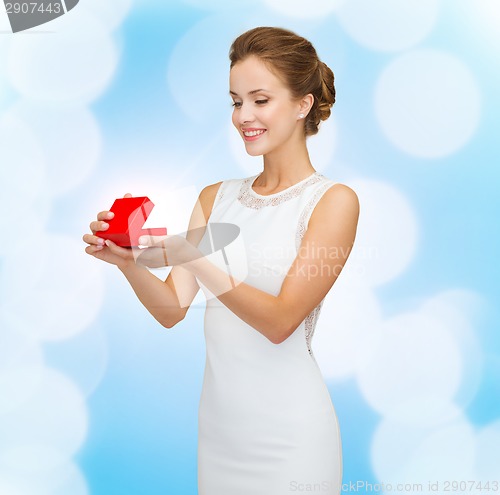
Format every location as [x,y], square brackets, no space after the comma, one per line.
[126,226]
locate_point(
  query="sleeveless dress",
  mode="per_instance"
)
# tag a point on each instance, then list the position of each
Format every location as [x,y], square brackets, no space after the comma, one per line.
[266,422]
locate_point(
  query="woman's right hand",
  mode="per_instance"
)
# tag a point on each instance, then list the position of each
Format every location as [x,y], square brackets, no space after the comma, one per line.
[96,246]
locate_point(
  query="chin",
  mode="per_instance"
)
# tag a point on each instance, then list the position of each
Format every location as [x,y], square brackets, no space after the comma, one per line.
[257,150]
[254,153]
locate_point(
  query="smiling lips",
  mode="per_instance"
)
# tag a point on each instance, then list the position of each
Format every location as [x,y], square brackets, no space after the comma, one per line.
[252,134]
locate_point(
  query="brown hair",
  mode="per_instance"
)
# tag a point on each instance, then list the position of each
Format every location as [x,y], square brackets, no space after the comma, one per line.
[295,61]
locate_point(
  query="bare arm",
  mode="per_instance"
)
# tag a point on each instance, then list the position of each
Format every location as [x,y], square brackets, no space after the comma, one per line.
[168,302]
[323,252]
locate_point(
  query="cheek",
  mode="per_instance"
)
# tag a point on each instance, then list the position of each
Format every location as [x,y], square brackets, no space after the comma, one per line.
[277,117]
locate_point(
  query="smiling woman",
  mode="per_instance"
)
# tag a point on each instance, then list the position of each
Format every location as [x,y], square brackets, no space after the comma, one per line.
[267,424]
[266,420]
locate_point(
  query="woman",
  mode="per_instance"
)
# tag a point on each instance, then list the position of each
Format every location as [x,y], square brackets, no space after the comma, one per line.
[267,425]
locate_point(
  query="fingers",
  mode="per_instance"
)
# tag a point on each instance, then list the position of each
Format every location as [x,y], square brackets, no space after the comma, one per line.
[96,226]
[105,215]
[153,240]
[99,225]
[93,240]
[93,249]
[115,249]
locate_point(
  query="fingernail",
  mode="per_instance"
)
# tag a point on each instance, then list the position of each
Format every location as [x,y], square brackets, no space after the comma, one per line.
[110,214]
[104,225]
[100,241]
[98,248]
[108,242]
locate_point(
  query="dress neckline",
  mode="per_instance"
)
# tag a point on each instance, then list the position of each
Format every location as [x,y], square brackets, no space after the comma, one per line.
[284,191]
[248,197]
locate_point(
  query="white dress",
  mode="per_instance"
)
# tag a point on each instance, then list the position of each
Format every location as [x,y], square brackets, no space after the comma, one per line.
[267,425]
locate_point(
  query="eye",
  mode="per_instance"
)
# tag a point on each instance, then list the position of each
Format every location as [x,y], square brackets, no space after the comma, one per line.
[237,104]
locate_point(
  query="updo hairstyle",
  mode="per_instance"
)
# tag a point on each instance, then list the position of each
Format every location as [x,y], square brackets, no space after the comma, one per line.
[294,60]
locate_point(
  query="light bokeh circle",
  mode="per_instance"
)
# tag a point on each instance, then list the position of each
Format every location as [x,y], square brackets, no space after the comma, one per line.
[387,232]
[314,9]
[481,20]
[4,24]
[459,309]
[12,486]
[110,14]
[445,453]
[343,331]
[40,469]
[427,103]
[404,453]
[414,356]
[215,5]
[25,180]
[22,158]
[54,414]
[21,360]
[391,445]
[198,69]
[388,25]
[4,48]
[31,216]
[83,358]
[488,451]
[61,285]
[69,136]
[76,65]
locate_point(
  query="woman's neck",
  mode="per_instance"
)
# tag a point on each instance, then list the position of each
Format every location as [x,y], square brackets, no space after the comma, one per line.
[284,168]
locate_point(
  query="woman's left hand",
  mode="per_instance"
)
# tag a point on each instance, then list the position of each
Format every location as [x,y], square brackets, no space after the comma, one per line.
[169,250]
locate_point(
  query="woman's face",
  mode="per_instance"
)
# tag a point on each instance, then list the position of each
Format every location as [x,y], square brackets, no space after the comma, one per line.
[264,113]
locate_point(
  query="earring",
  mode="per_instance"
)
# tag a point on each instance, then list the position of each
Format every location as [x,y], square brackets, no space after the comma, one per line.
[301,115]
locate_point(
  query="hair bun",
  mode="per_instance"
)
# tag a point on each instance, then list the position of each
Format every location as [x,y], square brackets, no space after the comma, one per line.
[327,99]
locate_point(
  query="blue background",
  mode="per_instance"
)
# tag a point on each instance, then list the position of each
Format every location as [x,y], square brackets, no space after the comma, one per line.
[163,120]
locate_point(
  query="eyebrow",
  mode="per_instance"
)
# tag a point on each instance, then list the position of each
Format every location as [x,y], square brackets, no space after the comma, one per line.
[251,92]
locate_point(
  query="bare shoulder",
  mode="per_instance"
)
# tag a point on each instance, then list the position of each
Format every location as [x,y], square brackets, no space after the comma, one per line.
[339,201]
[207,198]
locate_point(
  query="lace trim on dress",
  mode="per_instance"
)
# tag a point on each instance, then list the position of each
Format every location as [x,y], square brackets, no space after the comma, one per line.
[246,198]
[307,211]
[219,195]
[312,317]
[310,325]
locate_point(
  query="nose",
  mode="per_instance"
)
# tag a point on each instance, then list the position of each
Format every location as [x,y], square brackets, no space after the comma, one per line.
[245,114]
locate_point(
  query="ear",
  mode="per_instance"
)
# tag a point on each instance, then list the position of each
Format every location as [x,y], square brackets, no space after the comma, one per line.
[306,103]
